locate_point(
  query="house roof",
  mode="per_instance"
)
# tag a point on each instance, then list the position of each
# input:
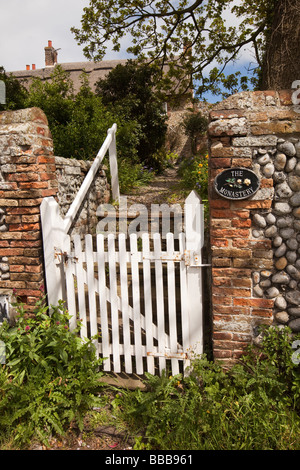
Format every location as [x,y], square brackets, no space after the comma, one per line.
[94,71]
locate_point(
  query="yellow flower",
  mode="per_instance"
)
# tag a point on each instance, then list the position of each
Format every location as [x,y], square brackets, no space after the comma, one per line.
[200,165]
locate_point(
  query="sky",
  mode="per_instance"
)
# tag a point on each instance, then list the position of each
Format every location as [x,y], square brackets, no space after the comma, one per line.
[26,26]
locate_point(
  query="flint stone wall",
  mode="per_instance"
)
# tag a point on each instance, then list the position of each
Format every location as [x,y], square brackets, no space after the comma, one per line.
[255,243]
[70,174]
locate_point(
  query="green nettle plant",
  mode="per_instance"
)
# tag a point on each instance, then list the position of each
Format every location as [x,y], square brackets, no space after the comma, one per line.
[50,378]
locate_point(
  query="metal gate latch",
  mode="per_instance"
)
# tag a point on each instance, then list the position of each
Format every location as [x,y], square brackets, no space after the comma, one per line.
[63,257]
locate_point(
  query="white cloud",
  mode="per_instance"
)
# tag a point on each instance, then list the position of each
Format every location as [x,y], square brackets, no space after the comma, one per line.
[27,25]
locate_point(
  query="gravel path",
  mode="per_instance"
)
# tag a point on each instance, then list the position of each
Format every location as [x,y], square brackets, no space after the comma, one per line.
[158,191]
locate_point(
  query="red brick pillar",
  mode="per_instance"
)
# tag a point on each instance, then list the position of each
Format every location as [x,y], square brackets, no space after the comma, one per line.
[243,129]
[27,175]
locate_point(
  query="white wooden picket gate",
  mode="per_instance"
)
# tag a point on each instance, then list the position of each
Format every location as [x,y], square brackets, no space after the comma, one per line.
[142,298]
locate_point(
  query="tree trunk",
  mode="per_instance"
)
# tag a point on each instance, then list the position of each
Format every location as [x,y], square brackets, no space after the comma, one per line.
[282,60]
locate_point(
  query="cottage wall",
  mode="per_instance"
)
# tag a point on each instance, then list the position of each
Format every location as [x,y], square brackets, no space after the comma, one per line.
[255,242]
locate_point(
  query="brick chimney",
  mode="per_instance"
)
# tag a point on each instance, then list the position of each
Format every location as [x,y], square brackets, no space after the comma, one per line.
[50,55]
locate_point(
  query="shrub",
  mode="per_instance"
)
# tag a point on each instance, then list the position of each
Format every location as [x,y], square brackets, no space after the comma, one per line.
[194,125]
[51,376]
[130,90]
[194,174]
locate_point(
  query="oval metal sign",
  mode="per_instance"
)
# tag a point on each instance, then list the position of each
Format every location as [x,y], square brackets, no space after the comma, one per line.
[237,183]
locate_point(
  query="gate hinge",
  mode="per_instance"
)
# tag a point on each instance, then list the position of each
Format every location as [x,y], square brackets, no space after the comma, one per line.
[193,259]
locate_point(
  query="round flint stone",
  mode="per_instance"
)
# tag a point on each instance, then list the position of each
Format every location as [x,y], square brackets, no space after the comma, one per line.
[280,251]
[293,271]
[257,233]
[268,170]
[271,231]
[280,302]
[258,291]
[281,278]
[287,233]
[264,159]
[296,212]
[291,256]
[297,148]
[277,241]
[294,182]
[297,169]
[265,283]
[282,208]
[294,311]
[265,273]
[272,292]
[283,222]
[259,220]
[295,200]
[293,284]
[291,163]
[295,325]
[279,176]
[280,161]
[293,297]
[281,263]
[283,190]
[288,148]
[282,317]
[271,219]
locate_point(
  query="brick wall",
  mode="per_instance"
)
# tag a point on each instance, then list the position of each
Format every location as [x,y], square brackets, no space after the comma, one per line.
[27,175]
[29,172]
[246,130]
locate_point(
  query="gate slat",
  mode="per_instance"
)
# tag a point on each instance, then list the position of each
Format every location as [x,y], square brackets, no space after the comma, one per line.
[91,286]
[125,302]
[136,304]
[148,302]
[159,300]
[70,287]
[103,304]
[113,303]
[183,300]
[172,303]
[80,285]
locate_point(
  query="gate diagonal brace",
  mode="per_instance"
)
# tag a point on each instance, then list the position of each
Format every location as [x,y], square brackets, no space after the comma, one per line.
[169,355]
[63,257]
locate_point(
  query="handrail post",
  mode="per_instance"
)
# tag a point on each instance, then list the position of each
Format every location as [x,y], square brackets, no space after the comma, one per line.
[113,164]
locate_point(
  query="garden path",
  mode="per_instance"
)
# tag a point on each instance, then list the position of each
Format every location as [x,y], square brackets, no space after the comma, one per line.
[160,190]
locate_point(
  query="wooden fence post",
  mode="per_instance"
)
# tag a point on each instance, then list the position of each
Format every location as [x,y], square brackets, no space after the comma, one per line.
[54,239]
